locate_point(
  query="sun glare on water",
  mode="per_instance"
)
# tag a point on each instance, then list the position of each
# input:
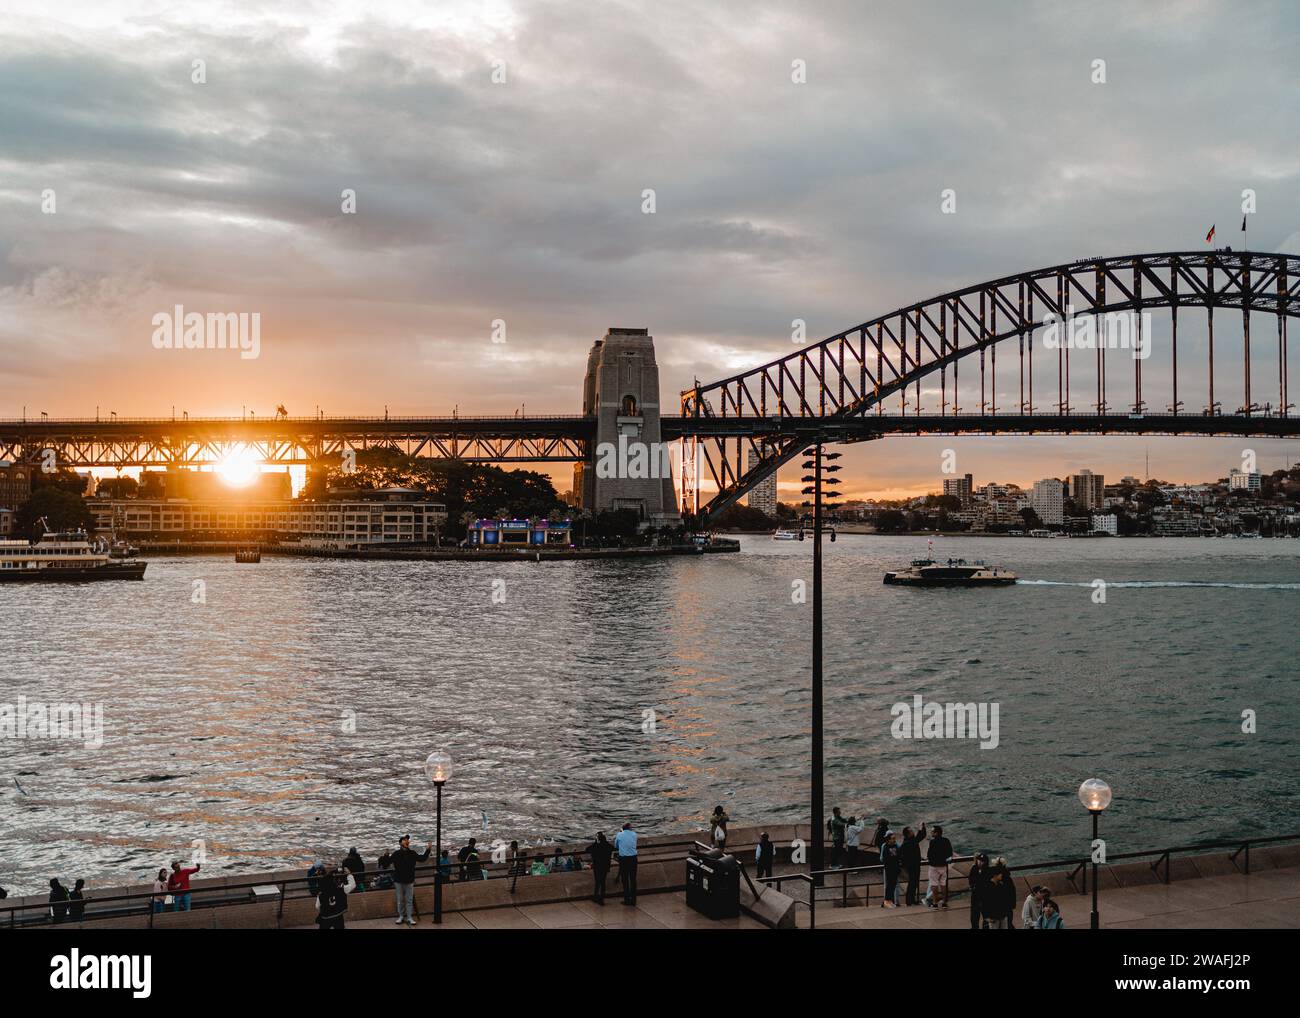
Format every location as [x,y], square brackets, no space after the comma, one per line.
[239,467]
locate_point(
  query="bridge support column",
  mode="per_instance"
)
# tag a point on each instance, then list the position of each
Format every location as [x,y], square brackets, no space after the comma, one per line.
[630,465]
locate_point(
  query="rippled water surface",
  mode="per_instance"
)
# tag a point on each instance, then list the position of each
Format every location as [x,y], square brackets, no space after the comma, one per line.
[232,721]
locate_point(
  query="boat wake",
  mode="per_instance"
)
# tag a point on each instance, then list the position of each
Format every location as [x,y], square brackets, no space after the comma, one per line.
[1163,583]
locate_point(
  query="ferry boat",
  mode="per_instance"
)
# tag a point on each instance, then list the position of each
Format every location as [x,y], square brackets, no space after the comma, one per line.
[786,535]
[926,572]
[63,557]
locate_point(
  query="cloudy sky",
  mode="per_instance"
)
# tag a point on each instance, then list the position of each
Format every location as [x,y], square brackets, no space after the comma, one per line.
[481,199]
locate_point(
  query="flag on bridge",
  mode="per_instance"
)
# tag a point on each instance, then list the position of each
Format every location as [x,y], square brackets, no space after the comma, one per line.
[1209,237]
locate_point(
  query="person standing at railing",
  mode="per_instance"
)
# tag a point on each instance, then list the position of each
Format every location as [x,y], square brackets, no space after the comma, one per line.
[998,902]
[625,846]
[909,854]
[892,864]
[878,838]
[179,885]
[58,900]
[718,828]
[853,840]
[404,860]
[764,855]
[468,856]
[353,863]
[77,901]
[599,852]
[938,855]
[838,828]
[159,891]
[977,880]
[1008,892]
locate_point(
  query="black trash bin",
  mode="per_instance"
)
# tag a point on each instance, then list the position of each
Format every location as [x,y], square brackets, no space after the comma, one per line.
[713,884]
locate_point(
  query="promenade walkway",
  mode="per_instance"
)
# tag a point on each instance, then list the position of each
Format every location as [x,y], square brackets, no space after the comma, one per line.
[1194,887]
[1266,899]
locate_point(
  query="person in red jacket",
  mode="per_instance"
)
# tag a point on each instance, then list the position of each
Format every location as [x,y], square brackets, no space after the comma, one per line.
[178,885]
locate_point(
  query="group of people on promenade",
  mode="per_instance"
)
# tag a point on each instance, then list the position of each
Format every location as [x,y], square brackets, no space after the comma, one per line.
[331,885]
[171,891]
[897,856]
[993,895]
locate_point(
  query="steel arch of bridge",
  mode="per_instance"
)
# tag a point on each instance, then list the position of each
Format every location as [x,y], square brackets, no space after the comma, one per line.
[826,390]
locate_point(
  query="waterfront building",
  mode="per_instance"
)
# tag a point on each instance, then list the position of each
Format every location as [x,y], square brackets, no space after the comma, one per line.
[1048,500]
[1174,522]
[1241,480]
[1088,490]
[763,495]
[960,487]
[502,533]
[391,515]
[7,517]
[15,484]
[1105,523]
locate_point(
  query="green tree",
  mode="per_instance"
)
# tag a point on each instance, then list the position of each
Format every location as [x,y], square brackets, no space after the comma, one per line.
[890,521]
[62,479]
[62,510]
[117,487]
[153,484]
[743,517]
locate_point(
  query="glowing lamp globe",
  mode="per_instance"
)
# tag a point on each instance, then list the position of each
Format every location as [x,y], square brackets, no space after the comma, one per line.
[437,768]
[1095,795]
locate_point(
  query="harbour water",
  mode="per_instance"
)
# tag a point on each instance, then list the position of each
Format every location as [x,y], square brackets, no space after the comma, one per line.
[287,714]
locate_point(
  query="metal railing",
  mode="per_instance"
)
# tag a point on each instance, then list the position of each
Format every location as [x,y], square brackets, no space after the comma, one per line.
[817,878]
[116,906]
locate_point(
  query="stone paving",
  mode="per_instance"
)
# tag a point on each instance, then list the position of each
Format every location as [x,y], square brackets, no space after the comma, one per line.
[666,911]
[1266,899]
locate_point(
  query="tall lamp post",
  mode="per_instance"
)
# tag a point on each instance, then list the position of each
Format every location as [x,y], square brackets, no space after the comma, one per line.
[1095,796]
[816,857]
[437,768]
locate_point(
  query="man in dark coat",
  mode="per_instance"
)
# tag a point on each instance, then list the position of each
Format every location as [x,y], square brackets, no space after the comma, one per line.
[978,880]
[599,852]
[909,854]
[333,903]
[404,860]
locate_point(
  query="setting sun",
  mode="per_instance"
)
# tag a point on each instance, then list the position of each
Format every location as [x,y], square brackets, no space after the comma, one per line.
[239,467]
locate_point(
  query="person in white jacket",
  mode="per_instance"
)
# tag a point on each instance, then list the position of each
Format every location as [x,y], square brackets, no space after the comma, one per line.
[853,840]
[1033,906]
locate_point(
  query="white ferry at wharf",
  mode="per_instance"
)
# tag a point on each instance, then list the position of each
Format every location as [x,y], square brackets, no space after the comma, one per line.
[64,557]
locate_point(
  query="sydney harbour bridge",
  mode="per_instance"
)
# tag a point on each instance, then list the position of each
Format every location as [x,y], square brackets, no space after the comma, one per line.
[963,352]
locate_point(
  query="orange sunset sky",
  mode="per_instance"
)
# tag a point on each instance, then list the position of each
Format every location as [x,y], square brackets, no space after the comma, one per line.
[521,199]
